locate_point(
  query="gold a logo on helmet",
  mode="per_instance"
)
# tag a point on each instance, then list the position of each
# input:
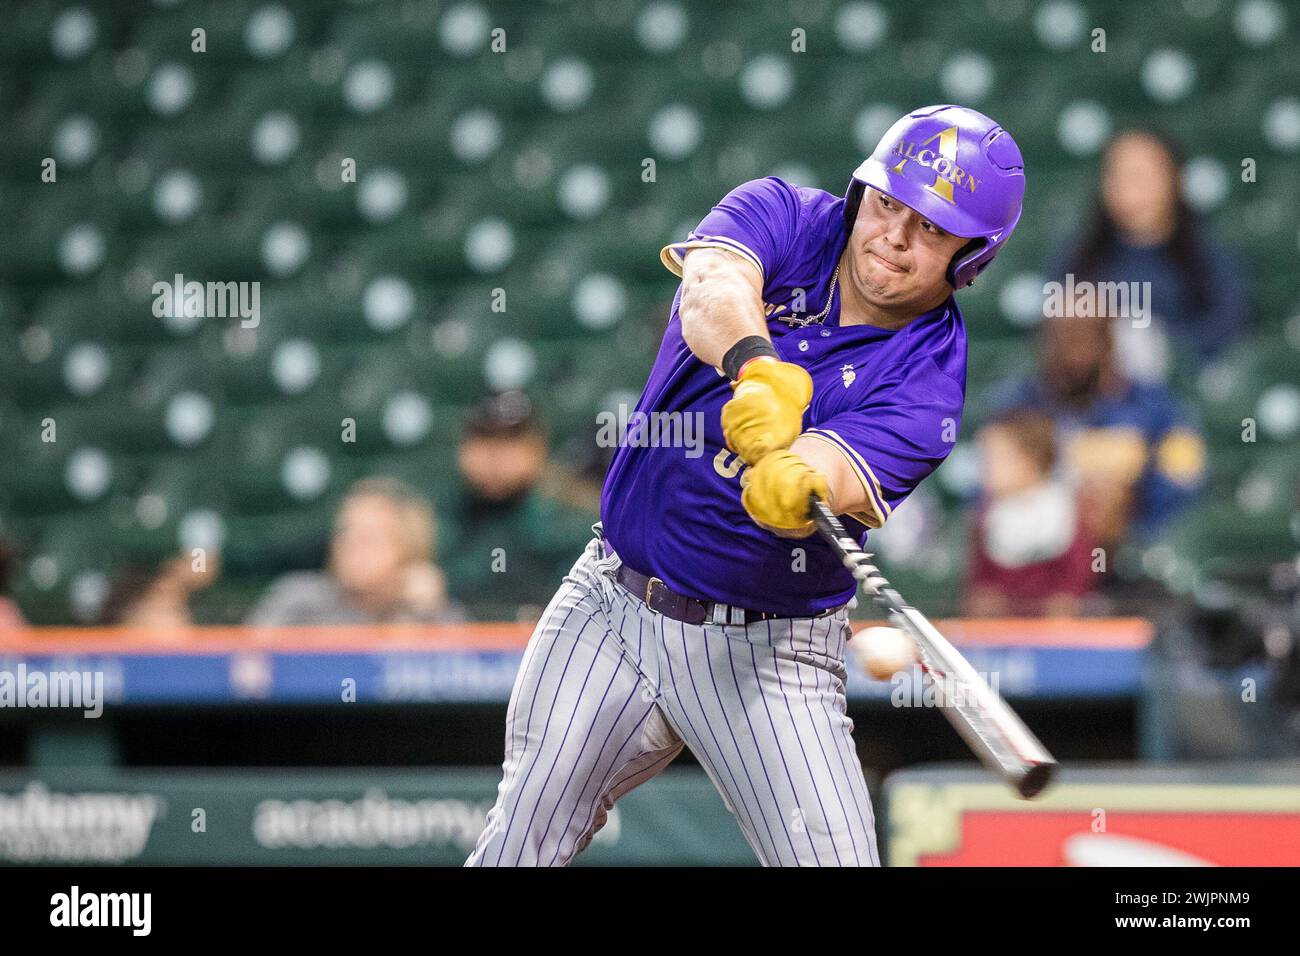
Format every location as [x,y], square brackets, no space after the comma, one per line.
[942,159]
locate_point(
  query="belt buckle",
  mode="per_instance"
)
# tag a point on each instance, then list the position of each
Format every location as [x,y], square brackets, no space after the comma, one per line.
[649,586]
[727,614]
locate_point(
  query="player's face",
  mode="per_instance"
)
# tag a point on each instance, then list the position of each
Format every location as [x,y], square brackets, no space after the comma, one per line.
[369,548]
[499,468]
[1139,182]
[1077,352]
[900,258]
[1006,467]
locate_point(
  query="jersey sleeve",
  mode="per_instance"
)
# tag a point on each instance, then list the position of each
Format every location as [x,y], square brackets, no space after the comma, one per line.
[757,220]
[893,439]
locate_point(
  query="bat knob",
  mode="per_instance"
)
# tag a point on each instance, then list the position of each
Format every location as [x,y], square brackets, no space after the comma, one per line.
[1036,779]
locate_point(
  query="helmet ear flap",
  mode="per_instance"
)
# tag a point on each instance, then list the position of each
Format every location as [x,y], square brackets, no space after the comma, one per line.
[852,200]
[961,255]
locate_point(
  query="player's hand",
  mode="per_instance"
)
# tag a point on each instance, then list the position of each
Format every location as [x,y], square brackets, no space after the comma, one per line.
[776,493]
[766,411]
[424,590]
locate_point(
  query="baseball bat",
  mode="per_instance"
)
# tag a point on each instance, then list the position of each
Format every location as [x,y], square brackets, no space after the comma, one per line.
[989,726]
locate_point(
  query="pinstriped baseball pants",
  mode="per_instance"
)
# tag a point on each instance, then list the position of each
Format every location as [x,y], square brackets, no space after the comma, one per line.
[610,691]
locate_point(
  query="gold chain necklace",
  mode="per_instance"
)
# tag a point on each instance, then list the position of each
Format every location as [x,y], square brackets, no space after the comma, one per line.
[830,300]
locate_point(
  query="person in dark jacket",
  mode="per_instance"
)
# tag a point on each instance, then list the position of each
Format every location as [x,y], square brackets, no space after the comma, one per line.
[1145,232]
[509,541]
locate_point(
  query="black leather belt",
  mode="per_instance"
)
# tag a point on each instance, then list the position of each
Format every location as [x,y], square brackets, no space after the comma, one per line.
[658,597]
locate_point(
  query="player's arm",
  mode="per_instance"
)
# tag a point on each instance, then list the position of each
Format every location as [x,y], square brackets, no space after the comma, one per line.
[846,493]
[724,324]
[862,461]
[722,303]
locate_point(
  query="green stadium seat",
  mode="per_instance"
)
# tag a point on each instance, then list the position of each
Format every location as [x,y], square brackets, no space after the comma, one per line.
[386,316]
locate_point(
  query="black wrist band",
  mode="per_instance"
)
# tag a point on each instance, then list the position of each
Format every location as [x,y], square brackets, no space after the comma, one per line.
[750,347]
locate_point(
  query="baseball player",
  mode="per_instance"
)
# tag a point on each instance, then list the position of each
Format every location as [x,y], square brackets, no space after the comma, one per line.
[817,340]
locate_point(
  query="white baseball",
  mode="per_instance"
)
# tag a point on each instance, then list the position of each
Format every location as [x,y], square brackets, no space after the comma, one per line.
[883,651]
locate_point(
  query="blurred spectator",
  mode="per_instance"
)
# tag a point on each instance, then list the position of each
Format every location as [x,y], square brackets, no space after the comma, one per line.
[11,616]
[1144,231]
[380,569]
[139,597]
[1029,551]
[509,541]
[1132,451]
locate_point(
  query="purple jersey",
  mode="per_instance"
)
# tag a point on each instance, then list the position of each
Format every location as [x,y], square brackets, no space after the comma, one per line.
[889,401]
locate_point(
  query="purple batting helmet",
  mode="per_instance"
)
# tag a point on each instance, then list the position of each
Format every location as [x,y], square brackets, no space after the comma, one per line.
[956,167]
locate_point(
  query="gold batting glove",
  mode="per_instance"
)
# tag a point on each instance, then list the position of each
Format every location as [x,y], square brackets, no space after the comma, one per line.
[776,493]
[766,411]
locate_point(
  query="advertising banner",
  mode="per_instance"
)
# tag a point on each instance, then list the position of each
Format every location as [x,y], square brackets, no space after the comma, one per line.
[314,817]
[1221,815]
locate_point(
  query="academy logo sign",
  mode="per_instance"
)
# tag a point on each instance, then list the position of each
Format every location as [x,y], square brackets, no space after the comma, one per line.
[37,825]
[375,821]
